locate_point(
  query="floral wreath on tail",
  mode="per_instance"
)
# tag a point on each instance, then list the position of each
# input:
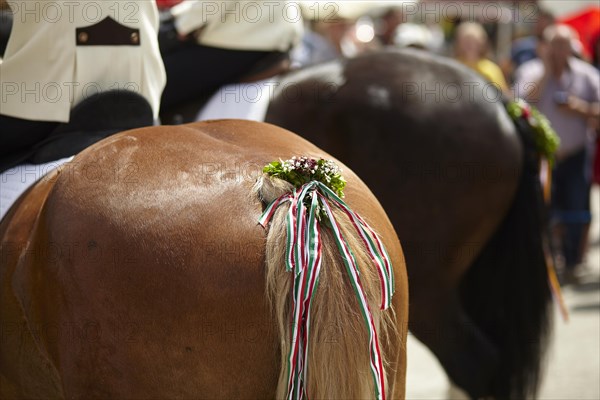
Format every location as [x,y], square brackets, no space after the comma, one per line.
[547,142]
[318,188]
[546,139]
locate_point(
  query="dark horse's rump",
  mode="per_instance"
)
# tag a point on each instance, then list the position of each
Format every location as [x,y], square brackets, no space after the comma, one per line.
[434,143]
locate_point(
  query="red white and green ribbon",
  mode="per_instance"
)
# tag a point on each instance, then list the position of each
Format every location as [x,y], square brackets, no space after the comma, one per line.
[309,203]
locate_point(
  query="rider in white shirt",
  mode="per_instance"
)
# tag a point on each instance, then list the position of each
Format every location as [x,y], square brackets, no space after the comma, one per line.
[224,42]
[61,52]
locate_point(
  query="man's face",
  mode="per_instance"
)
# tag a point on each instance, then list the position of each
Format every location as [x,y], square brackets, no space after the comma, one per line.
[469,46]
[560,50]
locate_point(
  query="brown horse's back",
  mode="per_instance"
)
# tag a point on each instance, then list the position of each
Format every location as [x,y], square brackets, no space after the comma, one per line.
[157,285]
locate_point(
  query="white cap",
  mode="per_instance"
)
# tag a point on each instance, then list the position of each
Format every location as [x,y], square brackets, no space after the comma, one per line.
[409,34]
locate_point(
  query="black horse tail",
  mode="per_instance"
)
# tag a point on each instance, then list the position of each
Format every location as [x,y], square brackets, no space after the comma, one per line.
[506,291]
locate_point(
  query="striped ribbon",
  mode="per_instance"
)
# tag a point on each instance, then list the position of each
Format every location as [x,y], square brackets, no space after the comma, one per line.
[304,256]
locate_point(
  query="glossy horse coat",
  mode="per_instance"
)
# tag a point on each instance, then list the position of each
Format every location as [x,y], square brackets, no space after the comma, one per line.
[138,271]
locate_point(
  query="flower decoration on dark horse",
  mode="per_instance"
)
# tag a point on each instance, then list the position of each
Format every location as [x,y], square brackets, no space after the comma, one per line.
[546,139]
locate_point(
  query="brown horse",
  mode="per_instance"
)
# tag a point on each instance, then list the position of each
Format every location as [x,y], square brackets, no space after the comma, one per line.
[459,181]
[139,271]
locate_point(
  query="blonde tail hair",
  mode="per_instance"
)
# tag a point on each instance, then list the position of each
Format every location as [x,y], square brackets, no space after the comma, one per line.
[338,358]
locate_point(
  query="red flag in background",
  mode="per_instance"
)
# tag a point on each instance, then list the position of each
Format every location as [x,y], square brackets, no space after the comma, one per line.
[587,24]
[165,4]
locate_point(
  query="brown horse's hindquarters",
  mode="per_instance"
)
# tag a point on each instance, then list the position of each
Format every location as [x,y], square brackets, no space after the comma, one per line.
[155,285]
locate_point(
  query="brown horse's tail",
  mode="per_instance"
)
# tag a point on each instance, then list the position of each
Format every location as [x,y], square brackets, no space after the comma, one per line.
[338,358]
[506,291]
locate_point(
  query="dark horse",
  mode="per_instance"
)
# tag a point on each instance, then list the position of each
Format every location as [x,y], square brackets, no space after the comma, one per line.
[458,180]
[139,270]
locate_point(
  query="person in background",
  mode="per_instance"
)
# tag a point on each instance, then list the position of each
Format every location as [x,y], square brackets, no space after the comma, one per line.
[322,41]
[596,129]
[471,46]
[566,90]
[390,20]
[525,49]
[60,53]
[596,123]
[226,42]
[329,32]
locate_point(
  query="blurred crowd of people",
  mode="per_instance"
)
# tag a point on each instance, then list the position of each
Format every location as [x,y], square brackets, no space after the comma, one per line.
[204,47]
[549,65]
